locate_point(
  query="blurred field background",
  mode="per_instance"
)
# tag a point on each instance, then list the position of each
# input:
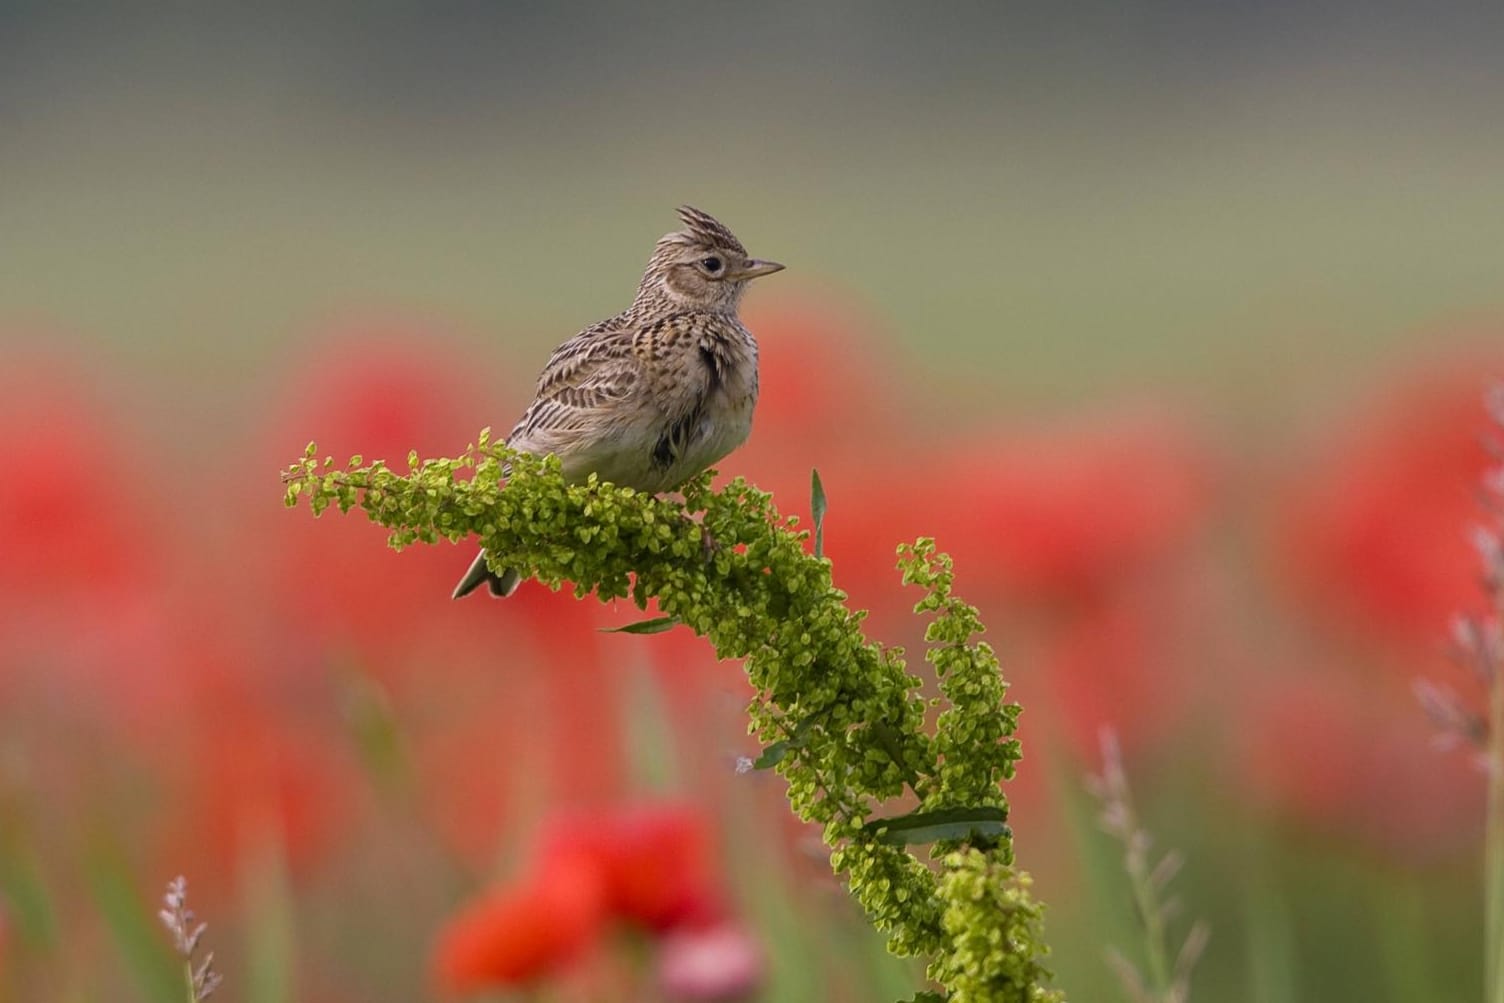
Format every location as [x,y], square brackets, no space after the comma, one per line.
[1171,322]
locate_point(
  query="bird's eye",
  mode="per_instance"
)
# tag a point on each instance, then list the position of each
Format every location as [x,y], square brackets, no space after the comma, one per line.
[711,265]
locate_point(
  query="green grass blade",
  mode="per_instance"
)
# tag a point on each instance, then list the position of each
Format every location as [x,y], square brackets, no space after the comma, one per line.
[133,924]
[818,507]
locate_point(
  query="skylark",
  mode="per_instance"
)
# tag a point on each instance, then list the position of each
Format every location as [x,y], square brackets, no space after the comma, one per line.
[654,395]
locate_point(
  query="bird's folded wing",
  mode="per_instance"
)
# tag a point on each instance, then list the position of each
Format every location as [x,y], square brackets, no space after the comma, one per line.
[588,375]
[619,374]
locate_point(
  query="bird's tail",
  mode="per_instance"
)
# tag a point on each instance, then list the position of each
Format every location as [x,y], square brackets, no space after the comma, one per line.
[500,586]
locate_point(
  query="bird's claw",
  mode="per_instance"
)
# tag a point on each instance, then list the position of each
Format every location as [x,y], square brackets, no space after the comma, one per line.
[708,545]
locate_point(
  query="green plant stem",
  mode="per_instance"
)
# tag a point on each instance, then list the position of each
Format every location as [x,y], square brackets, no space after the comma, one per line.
[1154,932]
[762,597]
[1493,862]
[188,980]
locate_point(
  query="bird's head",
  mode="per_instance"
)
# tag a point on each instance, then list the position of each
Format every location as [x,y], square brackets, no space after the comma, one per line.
[701,267]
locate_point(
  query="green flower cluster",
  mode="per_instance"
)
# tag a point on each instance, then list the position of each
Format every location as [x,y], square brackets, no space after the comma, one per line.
[840,717]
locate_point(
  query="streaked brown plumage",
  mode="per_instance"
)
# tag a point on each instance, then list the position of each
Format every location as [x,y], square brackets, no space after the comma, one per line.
[654,395]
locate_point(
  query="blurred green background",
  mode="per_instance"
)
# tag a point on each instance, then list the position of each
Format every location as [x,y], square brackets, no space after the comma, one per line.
[1041,203]
[1252,214]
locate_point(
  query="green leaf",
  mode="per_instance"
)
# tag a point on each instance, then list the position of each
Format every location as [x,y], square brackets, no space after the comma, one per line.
[775,752]
[817,507]
[23,891]
[133,923]
[773,755]
[657,625]
[944,823]
[926,997]
[651,760]
[374,728]
[769,601]
[270,936]
[891,741]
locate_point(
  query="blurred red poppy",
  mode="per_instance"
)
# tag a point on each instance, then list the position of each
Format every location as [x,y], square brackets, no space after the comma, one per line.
[72,513]
[383,387]
[822,385]
[377,393]
[1042,517]
[1062,512]
[1352,758]
[467,768]
[657,861]
[256,781]
[517,934]
[496,692]
[826,402]
[1120,663]
[648,865]
[380,392]
[659,867]
[1374,531]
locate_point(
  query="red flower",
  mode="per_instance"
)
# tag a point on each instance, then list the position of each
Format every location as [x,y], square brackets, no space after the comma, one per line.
[1121,663]
[1375,529]
[377,395]
[800,348]
[252,779]
[521,933]
[656,861]
[659,867]
[1044,516]
[825,402]
[650,866]
[382,388]
[71,513]
[1064,511]
[1355,760]
[467,750]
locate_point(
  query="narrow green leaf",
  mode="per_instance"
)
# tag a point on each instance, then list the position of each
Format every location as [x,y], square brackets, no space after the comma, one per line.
[817,507]
[374,728]
[891,741]
[651,761]
[657,625]
[944,823]
[773,755]
[926,997]
[270,934]
[23,892]
[776,752]
[133,924]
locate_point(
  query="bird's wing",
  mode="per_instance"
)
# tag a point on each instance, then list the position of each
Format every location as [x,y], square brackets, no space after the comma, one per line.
[619,370]
[592,372]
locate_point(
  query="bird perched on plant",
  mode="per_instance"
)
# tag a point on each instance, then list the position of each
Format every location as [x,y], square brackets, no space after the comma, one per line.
[654,395]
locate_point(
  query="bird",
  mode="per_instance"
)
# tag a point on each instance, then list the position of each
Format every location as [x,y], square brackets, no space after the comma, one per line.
[651,397]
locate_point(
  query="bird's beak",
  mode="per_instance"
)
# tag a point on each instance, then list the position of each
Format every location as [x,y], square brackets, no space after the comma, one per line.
[755,267]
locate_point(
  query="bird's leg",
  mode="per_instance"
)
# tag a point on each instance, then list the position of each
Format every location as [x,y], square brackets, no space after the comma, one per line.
[709,546]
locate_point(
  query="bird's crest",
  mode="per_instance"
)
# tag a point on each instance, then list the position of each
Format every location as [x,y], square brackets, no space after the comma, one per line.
[704,228]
